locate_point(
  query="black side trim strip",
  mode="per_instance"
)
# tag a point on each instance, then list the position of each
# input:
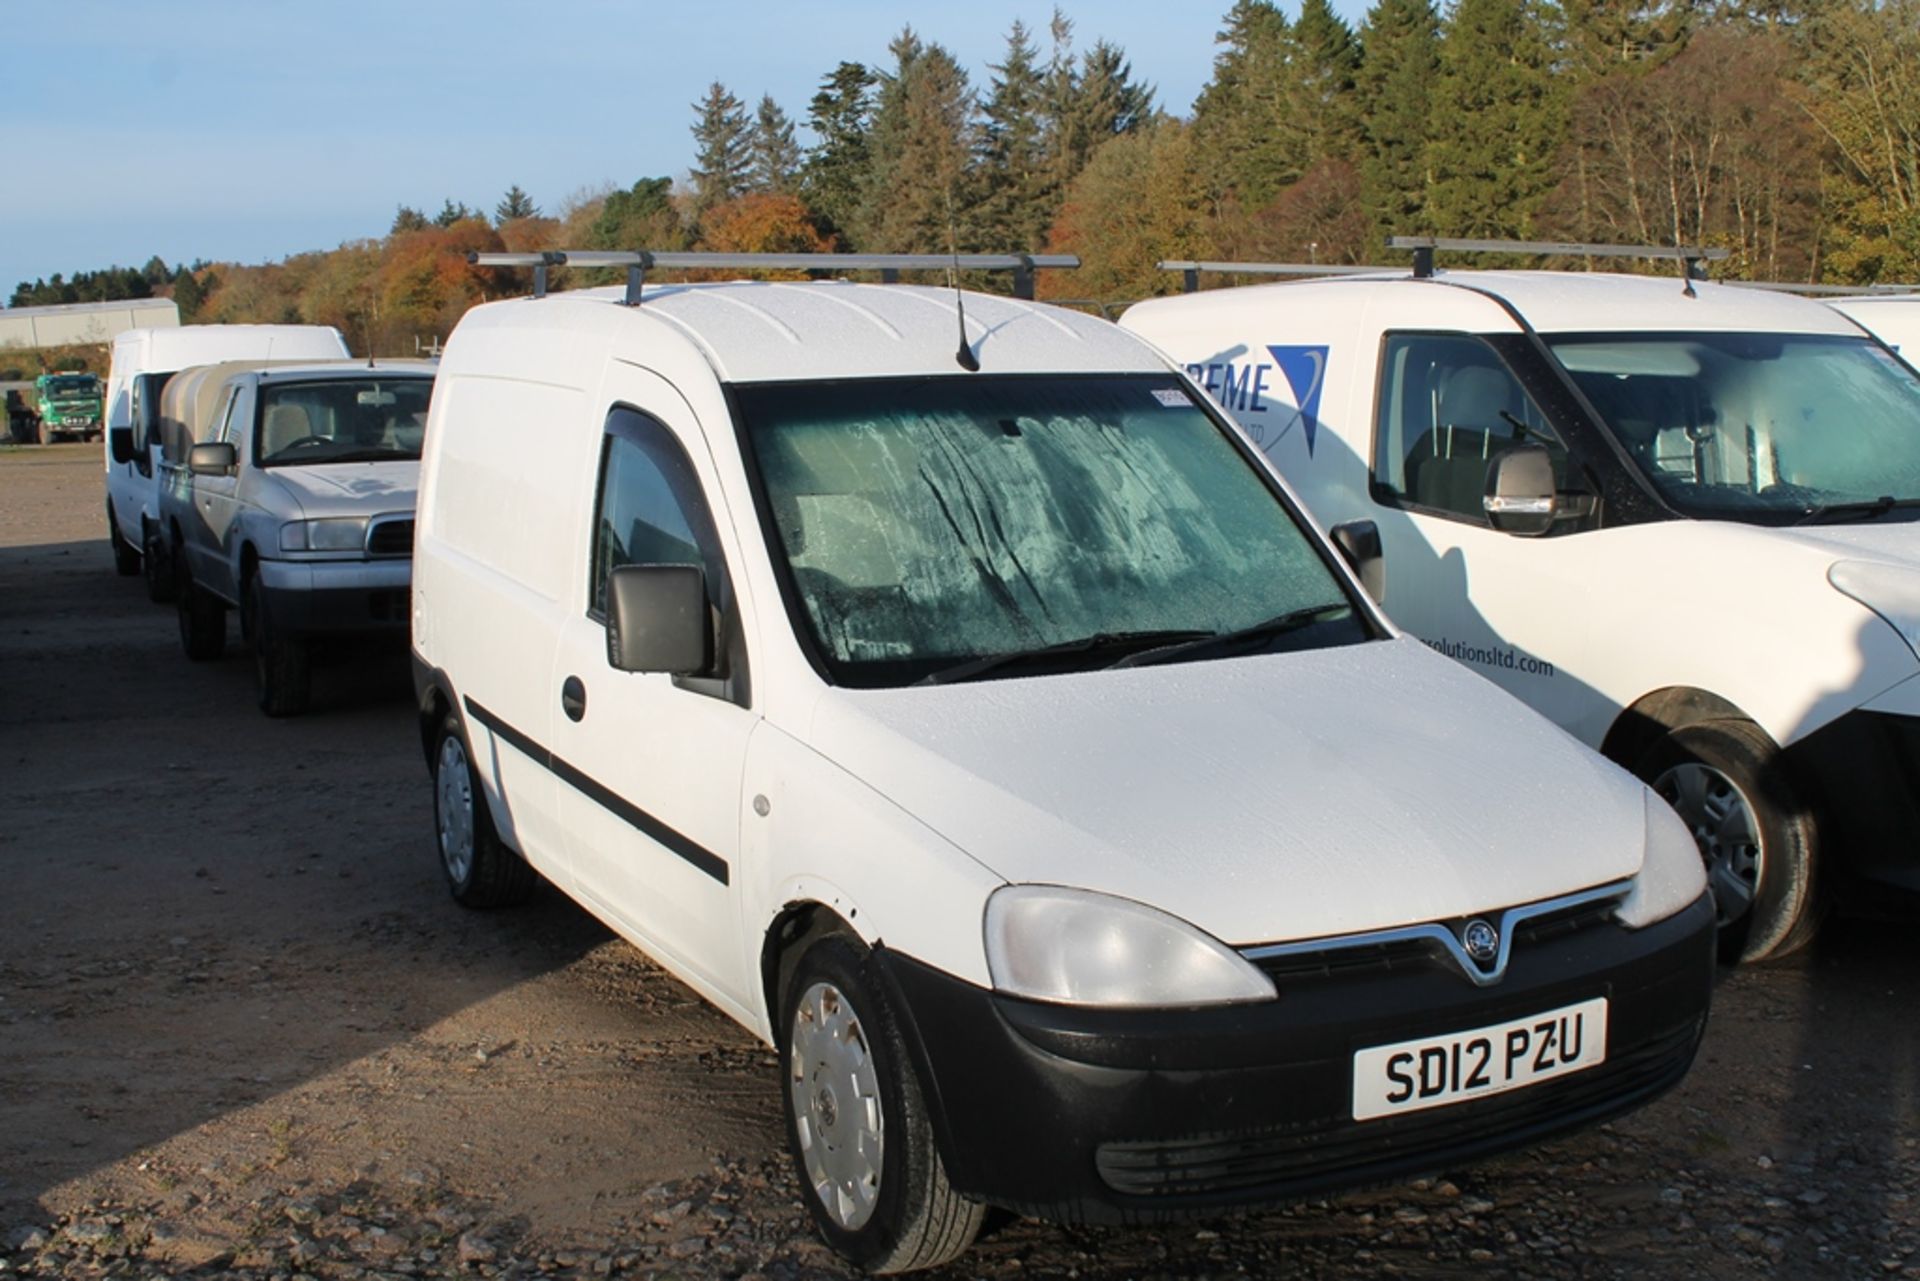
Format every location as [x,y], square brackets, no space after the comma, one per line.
[641,821]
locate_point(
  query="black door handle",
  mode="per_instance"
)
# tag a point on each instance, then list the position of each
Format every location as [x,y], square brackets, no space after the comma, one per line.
[573,698]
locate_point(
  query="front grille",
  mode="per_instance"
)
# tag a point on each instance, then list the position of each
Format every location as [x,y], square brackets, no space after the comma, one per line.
[1375,958]
[391,538]
[1332,1151]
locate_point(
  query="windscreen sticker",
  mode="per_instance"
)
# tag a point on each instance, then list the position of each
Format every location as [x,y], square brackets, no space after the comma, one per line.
[1171,397]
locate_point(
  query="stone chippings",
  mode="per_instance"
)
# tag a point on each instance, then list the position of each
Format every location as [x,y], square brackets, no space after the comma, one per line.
[1616,1215]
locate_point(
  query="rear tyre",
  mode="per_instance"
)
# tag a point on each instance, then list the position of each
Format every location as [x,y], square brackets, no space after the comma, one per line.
[1755,829]
[158,568]
[857,1126]
[203,620]
[282,667]
[126,557]
[481,871]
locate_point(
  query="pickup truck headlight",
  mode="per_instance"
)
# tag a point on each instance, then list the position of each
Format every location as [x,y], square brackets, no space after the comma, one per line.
[1672,872]
[1891,591]
[1076,947]
[333,534]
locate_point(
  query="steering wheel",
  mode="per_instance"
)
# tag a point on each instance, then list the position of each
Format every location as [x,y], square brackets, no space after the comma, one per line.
[304,440]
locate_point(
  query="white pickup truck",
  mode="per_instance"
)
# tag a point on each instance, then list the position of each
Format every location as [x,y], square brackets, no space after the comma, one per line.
[1675,517]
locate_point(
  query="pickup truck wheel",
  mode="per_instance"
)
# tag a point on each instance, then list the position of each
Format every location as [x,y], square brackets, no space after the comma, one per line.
[282,670]
[1729,784]
[203,620]
[158,567]
[856,1123]
[126,557]
[481,871]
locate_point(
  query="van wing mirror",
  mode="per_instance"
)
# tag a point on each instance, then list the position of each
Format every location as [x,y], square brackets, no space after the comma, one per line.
[214,458]
[1522,497]
[1358,542]
[658,620]
[120,444]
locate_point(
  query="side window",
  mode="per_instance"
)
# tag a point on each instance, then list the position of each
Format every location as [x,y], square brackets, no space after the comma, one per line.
[650,510]
[1448,407]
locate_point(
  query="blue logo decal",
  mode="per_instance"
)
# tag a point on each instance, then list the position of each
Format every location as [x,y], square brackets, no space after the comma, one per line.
[1305,369]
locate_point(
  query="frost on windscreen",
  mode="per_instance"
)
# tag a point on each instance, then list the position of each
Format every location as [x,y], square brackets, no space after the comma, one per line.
[992,518]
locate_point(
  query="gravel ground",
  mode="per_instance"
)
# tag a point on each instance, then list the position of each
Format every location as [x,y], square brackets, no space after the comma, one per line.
[244,1032]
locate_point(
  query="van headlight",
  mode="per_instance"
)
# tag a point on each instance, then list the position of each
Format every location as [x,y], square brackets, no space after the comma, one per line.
[1672,873]
[333,534]
[1051,943]
[1891,591]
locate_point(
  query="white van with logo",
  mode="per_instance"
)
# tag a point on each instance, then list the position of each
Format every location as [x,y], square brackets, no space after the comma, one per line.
[1677,518]
[988,730]
[143,360]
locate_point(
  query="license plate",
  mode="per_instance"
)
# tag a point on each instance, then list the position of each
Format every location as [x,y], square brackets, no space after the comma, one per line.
[1437,1070]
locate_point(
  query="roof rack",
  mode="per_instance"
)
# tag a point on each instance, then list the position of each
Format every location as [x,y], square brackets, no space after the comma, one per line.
[1837,291]
[1693,256]
[639,262]
[1190,271]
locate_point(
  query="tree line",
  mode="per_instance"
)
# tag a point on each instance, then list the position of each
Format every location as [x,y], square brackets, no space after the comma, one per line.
[1787,131]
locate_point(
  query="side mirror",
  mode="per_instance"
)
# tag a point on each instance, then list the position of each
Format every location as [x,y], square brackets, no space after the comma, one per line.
[120,444]
[1358,542]
[658,620]
[1522,497]
[214,458]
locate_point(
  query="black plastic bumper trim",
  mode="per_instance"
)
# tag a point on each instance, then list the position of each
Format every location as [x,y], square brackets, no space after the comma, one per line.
[641,821]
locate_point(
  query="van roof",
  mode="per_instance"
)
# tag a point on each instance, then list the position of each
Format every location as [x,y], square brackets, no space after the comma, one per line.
[771,331]
[1584,302]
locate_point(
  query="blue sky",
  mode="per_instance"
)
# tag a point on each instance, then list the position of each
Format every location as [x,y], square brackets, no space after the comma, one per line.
[253,129]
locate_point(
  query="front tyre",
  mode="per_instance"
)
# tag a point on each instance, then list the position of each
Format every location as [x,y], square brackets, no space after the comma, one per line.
[481,871]
[282,667]
[1729,784]
[856,1123]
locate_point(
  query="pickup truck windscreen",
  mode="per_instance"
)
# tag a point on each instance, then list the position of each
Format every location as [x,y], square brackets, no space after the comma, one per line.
[341,420]
[948,528]
[1762,428]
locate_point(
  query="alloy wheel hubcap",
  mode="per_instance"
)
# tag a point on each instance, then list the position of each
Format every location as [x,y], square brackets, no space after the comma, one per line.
[835,1090]
[1725,828]
[453,792]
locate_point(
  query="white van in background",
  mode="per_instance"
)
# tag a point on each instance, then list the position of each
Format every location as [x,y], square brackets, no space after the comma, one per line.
[1892,318]
[963,706]
[1677,518]
[143,360]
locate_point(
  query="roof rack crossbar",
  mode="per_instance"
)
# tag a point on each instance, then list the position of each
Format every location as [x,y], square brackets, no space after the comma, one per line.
[1693,256]
[1190,270]
[639,262]
[1835,291]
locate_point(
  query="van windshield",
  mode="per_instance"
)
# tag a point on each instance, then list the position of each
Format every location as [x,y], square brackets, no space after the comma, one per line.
[949,528]
[342,420]
[1766,428]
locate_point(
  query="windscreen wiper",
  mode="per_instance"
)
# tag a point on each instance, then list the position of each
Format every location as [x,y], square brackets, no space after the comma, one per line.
[1100,643]
[1869,509]
[1280,624]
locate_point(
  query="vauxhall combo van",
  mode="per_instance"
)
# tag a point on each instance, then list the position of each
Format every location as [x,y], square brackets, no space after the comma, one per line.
[987,730]
[1674,517]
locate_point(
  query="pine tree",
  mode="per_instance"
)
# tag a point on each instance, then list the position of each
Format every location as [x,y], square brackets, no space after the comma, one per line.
[835,174]
[1612,35]
[1497,119]
[407,218]
[1086,101]
[1018,204]
[187,295]
[450,213]
[1242,121]
[1393,87]
[773,157]
[920,197]
[721,135]
[1322,104]
[515,204]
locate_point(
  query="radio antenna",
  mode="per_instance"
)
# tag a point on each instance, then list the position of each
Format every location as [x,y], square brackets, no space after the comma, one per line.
[968,361]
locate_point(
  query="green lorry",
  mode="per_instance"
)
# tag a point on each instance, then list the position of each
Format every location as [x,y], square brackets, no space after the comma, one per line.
[69,405]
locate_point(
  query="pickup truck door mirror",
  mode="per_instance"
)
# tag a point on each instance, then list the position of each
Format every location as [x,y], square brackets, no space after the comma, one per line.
[120,444]
[658,620]
[214,458]
[1358,542]
[1522,496]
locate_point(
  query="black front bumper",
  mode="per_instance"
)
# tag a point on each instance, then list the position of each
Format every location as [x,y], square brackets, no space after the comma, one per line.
[1102,1116]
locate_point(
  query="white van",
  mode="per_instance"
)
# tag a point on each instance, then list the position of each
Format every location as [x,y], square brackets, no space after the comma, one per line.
[143,360]
[987,730]
[1676,518]
[1892,318]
